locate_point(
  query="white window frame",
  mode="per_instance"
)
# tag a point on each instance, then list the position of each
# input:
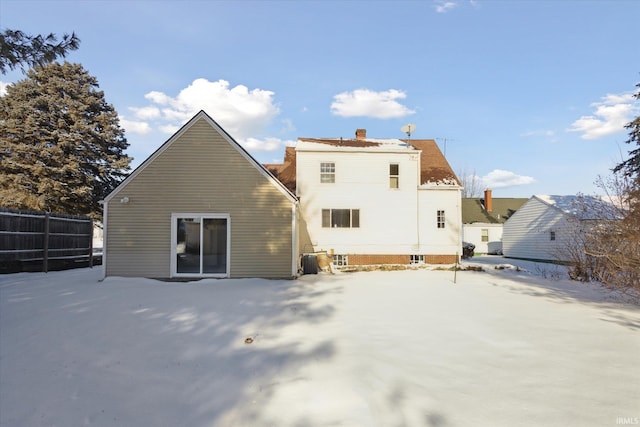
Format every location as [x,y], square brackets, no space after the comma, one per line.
[416,259]
[327,172]
[322,211]
[394,178]
[484,235]
[174,243]
[440,219]
[340,260]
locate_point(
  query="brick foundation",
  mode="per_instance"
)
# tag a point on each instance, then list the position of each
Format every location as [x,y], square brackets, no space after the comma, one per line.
[398,259]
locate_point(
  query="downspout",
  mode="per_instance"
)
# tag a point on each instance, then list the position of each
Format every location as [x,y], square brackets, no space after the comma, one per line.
[294,240]
[418,201]
[104,238]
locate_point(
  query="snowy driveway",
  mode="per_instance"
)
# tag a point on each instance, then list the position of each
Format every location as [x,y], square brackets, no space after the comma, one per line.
[406,348]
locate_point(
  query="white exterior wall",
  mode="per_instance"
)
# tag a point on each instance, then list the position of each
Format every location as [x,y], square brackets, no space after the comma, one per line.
[434,240]
[392,221]
[527,233]
[472,233]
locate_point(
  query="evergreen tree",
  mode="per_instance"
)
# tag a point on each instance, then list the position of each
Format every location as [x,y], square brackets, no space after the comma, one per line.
[631,167]
[20,49]
[61,145]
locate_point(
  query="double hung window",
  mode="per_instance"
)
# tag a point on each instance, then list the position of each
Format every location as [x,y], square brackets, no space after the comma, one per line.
[327,172]
[394,175]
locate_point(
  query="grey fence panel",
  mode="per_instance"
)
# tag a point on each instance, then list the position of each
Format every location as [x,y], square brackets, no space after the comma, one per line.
[40,241]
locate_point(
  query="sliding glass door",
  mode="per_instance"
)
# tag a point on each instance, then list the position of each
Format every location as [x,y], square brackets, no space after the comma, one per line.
[200,245]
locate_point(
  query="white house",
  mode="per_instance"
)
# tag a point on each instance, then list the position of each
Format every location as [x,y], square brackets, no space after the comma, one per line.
[543,226]
[375,201]
[483,219]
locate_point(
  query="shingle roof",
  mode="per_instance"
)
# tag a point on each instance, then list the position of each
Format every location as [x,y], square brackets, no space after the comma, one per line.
[434,167]
[473,209]
[285,172]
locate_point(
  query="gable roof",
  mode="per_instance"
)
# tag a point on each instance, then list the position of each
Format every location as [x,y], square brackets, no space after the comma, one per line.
[473,209]
[202,115]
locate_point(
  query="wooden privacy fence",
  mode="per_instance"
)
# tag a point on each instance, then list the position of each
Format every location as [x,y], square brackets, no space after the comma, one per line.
[41,241]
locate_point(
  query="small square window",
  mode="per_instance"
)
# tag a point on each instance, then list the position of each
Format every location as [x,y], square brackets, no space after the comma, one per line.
[327,173]
[340,260]
[417,259]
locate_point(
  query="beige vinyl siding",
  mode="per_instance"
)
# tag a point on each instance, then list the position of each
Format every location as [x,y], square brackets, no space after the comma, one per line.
[200,172]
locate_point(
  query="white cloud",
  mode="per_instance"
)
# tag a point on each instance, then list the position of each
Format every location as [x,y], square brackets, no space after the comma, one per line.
[367,103]
[611,115]
[267,144]
[135,127]
[3,88]
[444,6]
[499,178]
[287,125]
[170,129]
[146,113]
[550,135]
[245,114]
[241,112]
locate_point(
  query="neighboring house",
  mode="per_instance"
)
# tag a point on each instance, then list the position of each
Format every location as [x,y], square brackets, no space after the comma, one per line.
[201,206]
[483,219]
[374,201]
[544,225]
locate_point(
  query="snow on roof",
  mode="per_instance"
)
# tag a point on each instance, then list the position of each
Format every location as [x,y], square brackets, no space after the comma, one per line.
[584,207]
[351,144]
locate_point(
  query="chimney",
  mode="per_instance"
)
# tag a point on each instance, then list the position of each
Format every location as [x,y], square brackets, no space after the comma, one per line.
[488,202]
[361,134]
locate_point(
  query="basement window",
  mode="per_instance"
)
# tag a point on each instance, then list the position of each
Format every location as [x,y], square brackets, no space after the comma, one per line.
[416,259]
[340,260]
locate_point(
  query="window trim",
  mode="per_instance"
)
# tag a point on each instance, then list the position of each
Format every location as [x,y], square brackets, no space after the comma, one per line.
[327,219]
[327,172]
[340,260]
[394,178]
[484,235]
[174,242]
[440,218]
[415,259]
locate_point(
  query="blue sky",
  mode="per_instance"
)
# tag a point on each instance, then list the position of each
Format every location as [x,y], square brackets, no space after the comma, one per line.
[532,96]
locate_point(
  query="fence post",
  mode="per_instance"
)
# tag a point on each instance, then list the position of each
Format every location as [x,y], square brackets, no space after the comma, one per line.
[91,244]
[45,245]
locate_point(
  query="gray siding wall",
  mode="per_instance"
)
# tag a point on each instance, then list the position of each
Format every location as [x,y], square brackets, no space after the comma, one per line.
[527,233]
[200,172]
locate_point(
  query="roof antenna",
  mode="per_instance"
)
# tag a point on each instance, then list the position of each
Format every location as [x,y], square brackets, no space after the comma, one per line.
[408,129]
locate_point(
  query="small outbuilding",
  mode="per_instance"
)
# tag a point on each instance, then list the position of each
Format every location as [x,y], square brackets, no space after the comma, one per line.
[201,206]
[545,227]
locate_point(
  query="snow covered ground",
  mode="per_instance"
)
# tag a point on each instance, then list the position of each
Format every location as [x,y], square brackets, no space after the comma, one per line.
[405,348]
